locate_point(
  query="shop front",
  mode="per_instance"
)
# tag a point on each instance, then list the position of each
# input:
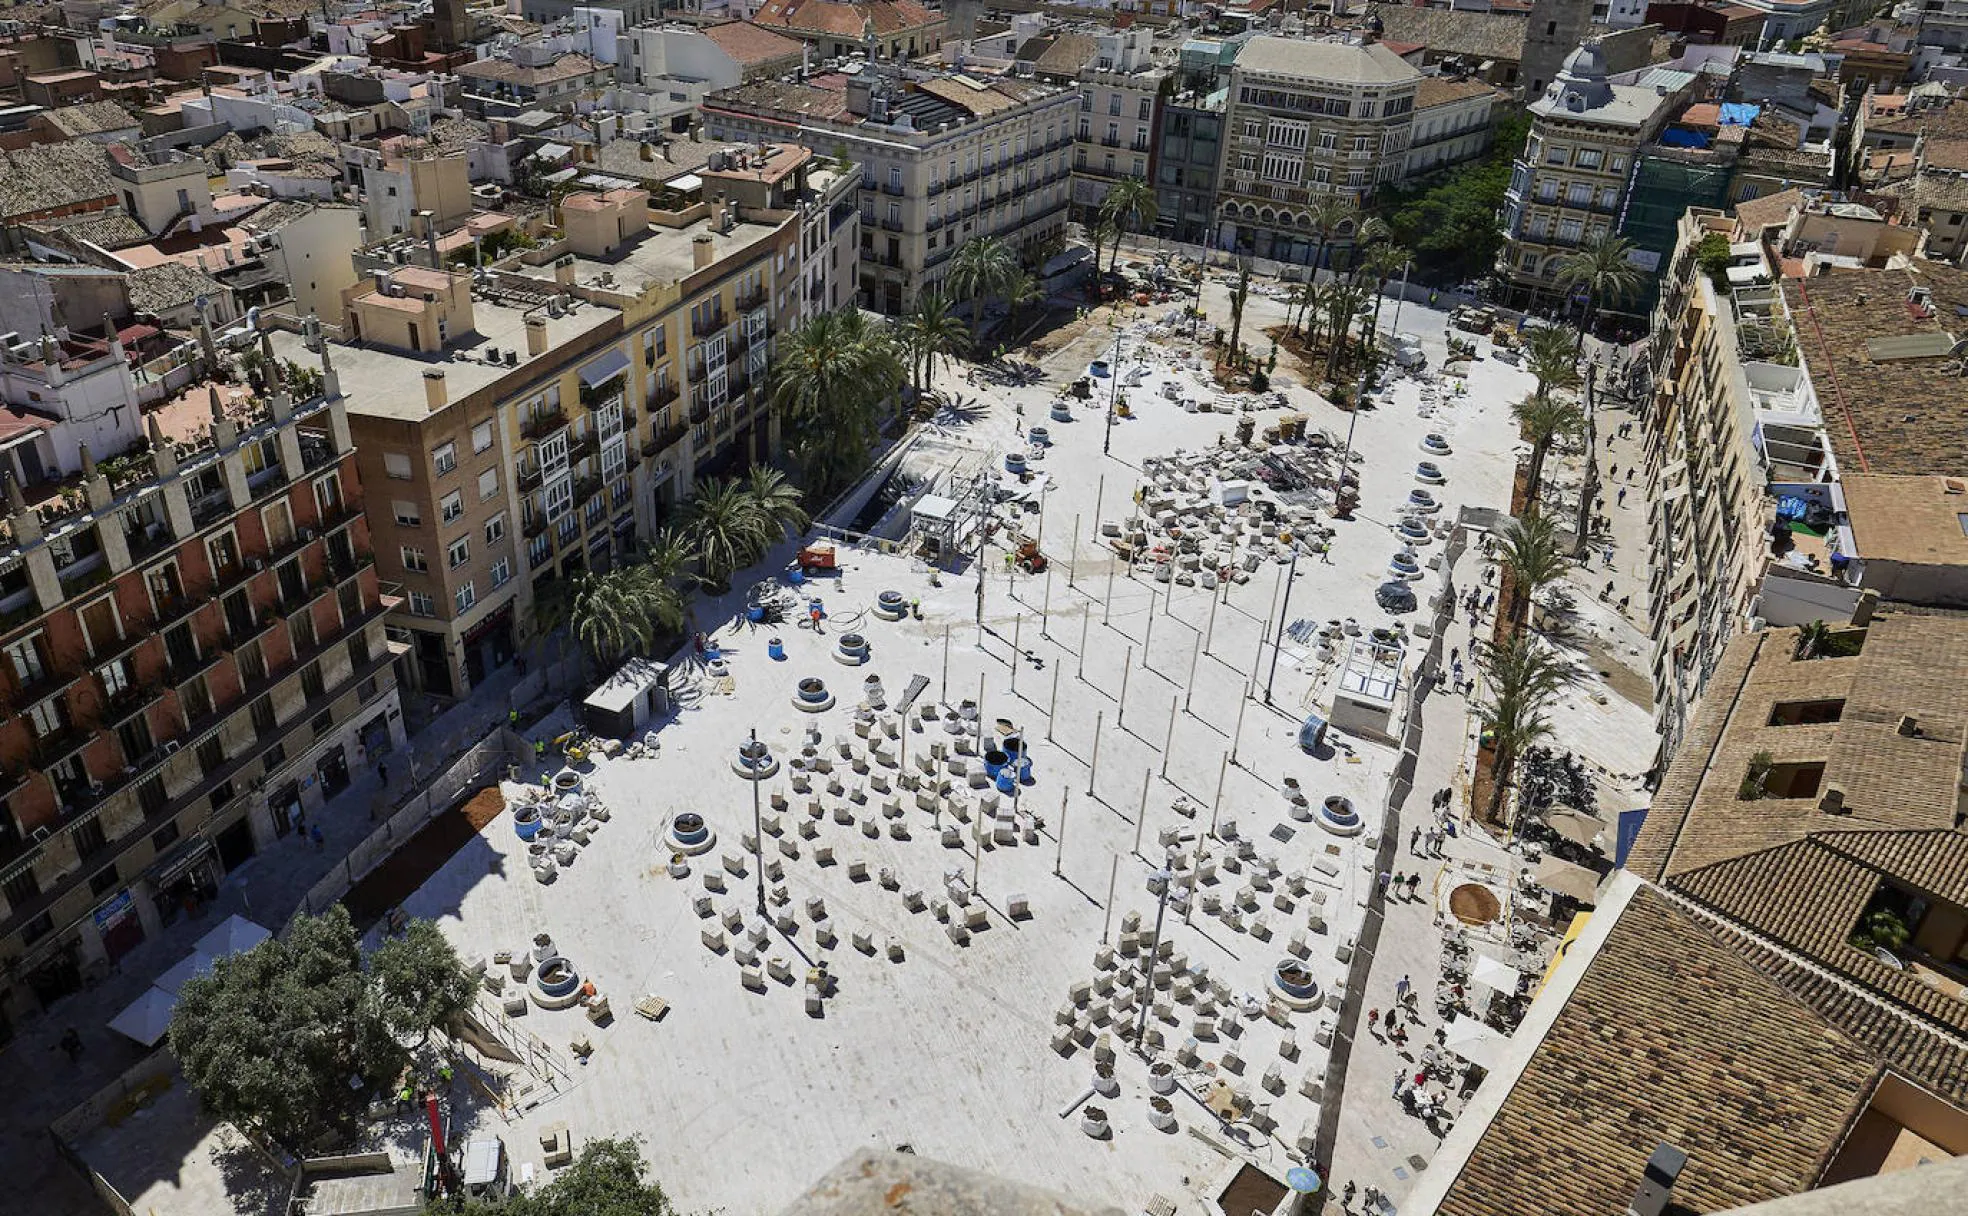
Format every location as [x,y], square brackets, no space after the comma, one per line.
[184,879]
[118,925]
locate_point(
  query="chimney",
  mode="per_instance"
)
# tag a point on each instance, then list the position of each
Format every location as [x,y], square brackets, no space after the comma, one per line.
[701,254]
[564,271]
[536,337]
[1867,605]
[1657,1181]
[647,153]
[434,389]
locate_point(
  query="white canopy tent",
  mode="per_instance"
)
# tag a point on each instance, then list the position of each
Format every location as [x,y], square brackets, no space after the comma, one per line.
[1476,1042]
[189,967]
[1492,974]
[232,935]
[147,1018]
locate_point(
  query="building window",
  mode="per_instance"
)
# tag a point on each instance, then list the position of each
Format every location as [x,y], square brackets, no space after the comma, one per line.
[1571,231]
[452,506]
[488,485]
[481,437]
[408,514]
[466,597]
[1555,155]
[1589,158]
[501,571]
[495,528]
[413,559]
[396,465]
[444,458]
[458,553]
[420,604]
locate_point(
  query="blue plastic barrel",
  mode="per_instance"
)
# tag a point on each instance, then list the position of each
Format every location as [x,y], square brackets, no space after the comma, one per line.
[776,649]
[1007,780]
[994,762]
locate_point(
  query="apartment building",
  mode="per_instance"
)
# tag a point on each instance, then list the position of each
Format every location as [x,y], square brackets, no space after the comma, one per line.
[1115,137]
[837,29]
[568,405]
[1454,121]
[191,646]
[1569,188]
[943,161]
[1191,141]
[1751,519]
[1309,120]
[1766,999]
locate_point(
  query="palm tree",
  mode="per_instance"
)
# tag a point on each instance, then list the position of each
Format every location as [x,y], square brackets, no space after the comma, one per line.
[928,330]
[1328,213]
[1345,301]
[668,555]
[1604,271]
[1131,206]
[1101,231]
[980,269]
[775,501]
[725,529]
[1543,420]
[1551,360]
[1020,289]
[830,381]
[1383,261]
[1527,550]
[1238,296]
[1523,678]
[620,612]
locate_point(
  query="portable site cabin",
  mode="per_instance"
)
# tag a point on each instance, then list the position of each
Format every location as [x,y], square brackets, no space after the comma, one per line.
[630,701]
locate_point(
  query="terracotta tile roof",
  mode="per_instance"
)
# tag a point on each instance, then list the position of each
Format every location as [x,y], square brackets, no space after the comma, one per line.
[976,101]
[1670,1035]
[751,45]
[1909,664]
[1946,153]
[848,20]
[48,177]
[1882,414]
[1436,91]
[1912,520]
[1061,54]
[1756,214]
[1455,31]
[570,66]
[1948,121]
[90,118]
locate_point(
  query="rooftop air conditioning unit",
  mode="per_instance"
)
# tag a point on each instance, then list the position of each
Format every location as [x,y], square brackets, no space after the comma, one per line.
[1832,800]
[1909,726]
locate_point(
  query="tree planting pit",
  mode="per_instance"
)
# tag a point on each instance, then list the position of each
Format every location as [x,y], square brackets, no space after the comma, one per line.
[810,695]
[1474,904]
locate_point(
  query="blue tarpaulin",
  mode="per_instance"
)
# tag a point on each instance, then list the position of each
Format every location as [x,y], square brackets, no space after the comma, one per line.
[1675,137]
[1739,113]
[1628,831]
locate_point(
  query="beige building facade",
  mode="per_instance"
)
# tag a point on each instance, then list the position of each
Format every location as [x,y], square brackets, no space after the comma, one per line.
[942,163]
[1306,121]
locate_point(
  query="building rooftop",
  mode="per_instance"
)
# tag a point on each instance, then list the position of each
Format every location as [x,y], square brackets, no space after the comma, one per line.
[1334,62]
[1669,1035]
[168,286]
[385,383]
[90,118]
[1481,36]
[570,66]
[1913,520]
[846,21]
[1907,664]
[1882,412]
[1437,91]
[750,45]
[661,256]
[48,177]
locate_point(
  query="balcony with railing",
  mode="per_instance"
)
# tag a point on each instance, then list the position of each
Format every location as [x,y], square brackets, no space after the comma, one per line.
[705,326]
[665,438]
[541,425]
[746,301]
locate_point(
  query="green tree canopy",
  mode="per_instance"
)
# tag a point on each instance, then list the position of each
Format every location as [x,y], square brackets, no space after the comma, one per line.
[608,1178]
[293,1036]
[1450,220]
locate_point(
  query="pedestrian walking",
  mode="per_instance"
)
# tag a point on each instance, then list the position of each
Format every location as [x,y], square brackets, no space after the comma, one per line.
[1414,841]
[1401,987]
[1400,1079]
[1414,886]
[1609,557]
[320,841]
[1612,470]
[1455,656]
[1620,498]
[71,1044]
[383,773]
[1373,1021]
[1384,876]
[1489,601]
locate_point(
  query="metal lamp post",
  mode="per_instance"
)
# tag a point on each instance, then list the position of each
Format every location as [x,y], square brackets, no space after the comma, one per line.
[758,826]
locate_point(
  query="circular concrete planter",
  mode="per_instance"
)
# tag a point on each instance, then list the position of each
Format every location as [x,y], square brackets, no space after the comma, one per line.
[810,695]
[690,834]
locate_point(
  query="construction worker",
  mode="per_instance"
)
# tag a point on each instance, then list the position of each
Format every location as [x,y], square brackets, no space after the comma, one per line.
[512,718]
[540,749]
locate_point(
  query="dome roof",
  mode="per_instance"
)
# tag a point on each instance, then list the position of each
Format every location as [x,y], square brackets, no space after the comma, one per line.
[1581,83]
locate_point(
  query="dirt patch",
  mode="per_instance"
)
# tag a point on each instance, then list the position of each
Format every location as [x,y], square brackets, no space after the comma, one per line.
[1622,679]
[412,865]
[1473,904]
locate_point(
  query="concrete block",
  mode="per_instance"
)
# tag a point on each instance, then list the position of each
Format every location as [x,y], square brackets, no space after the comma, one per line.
[713,939]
